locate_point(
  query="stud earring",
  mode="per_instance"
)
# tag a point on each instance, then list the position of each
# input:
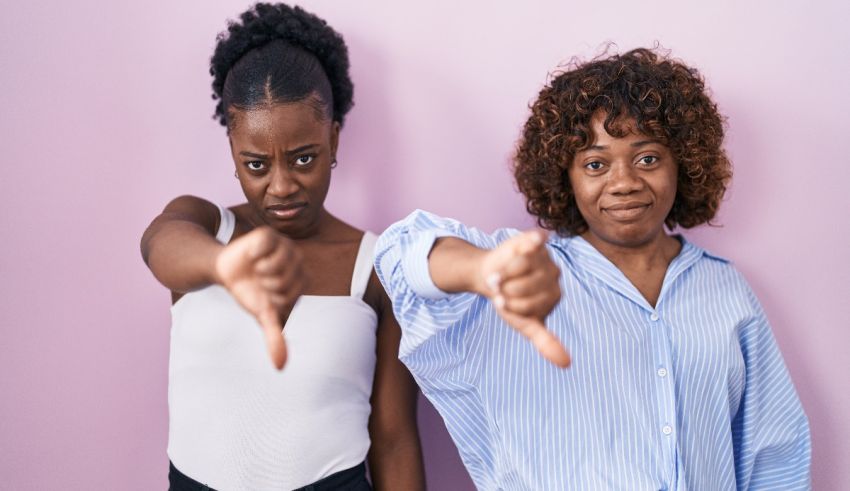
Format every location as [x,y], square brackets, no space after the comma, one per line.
[333,164]
[236,174]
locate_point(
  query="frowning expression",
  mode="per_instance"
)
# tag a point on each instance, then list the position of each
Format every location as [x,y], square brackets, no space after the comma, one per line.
[624,187]
[283,154]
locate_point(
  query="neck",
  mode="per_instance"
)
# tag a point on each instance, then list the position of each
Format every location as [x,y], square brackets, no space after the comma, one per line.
[322,228]
[655,253]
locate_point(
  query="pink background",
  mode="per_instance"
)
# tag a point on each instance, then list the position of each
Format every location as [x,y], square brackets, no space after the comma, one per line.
[105,115]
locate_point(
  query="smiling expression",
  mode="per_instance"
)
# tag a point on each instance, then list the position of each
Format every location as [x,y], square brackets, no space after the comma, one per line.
[283,154]
[624,187]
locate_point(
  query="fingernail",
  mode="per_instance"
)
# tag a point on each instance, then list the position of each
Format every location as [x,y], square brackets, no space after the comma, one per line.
[499,301]
[493,281]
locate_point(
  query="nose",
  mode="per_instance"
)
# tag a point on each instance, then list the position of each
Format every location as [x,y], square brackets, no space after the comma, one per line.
[281,182]
[623,179]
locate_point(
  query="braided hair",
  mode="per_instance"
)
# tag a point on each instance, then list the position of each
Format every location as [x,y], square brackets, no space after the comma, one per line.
[278,54]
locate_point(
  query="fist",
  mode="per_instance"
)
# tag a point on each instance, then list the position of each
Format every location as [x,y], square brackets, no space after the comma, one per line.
[262,270]
[522,281]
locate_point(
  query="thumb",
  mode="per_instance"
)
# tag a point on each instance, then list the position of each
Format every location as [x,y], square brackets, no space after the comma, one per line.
[549,345]
[270,322]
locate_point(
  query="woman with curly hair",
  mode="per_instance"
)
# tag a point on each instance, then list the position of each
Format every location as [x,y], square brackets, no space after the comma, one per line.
[280,76]
[675,379]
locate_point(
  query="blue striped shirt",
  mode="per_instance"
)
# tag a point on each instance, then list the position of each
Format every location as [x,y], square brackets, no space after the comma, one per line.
[692,394]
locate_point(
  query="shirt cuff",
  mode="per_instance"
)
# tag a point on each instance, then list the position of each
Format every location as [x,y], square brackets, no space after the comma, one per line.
[415,264]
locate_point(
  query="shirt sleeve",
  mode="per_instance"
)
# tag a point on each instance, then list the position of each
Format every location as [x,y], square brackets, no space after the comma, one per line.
[770,430]
[436,341]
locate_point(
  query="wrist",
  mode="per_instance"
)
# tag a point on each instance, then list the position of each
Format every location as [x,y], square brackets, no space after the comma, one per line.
[216,276]
[456,266]
[476,274]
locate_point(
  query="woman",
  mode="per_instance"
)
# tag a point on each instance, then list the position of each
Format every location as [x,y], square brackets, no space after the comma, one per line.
[676,381]
[281,78]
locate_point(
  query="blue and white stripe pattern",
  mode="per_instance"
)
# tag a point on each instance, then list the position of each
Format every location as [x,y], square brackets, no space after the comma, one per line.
[690,395]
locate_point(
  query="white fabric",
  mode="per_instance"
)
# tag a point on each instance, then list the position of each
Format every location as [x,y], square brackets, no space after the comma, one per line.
[237,423]
[226,225]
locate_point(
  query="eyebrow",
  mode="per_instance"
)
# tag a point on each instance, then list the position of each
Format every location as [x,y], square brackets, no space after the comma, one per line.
[254,155]
[644,142]
[633,145]
[288,153]
[300,149]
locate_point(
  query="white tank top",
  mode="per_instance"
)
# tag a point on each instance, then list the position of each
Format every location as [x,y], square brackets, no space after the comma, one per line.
[237,423]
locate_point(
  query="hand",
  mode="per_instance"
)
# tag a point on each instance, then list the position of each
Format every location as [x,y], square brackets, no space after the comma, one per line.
[522,282]
[262,270]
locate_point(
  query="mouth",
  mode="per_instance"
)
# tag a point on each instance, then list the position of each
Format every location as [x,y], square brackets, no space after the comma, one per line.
[286,211]
[628,211]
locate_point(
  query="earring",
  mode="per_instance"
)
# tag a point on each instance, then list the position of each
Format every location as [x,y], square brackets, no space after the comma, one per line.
[236,174]
[333,164]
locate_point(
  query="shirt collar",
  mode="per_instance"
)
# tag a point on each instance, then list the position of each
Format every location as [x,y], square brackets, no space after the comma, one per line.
[587,259]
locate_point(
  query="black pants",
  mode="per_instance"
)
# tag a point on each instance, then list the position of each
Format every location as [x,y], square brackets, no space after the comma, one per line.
[353,479]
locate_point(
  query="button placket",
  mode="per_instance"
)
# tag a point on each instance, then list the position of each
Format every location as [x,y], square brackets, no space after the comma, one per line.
[666,399]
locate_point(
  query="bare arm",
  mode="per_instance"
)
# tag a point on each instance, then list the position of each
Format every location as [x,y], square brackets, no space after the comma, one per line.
[179,245]
[395,457]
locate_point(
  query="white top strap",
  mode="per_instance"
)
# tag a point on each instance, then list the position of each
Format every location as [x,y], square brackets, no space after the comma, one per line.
[226,225]
[363,265]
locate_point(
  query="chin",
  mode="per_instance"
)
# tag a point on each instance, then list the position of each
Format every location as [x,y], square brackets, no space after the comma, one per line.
[632,235]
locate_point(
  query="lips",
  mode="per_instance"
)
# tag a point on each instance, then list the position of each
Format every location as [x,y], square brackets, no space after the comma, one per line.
[628,210]
[286,211]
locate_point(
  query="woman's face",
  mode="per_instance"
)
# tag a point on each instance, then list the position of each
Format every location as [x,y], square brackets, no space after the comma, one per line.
[283,155]
[624,187]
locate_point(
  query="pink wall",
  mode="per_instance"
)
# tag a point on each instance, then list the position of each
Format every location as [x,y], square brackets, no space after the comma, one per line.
[105,115]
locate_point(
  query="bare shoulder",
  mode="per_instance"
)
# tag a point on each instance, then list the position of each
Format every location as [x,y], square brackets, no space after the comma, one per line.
[193,209]
[244,222]
[190,204]
[345,232]
[377,297]
[184,208]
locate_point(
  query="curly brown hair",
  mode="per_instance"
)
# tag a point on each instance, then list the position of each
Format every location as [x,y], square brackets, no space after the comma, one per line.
[667,101]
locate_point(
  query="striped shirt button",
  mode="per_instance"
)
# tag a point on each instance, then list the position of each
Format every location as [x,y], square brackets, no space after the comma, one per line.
[654,316]
[666,429]
[662,372]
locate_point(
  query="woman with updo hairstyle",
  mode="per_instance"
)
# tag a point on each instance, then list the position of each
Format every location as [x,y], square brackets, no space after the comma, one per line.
[280,265]
[675,380]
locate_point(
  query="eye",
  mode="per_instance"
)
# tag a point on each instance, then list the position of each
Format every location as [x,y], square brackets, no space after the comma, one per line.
[303,160]
[648,160]
[255,165]
[595,165]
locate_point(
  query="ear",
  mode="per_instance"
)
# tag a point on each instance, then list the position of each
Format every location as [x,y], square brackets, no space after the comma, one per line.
[334,139]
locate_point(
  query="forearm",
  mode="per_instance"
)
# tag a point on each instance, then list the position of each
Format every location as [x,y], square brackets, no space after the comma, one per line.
[395,458]
[181,254]
[397,464]
[455,266]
